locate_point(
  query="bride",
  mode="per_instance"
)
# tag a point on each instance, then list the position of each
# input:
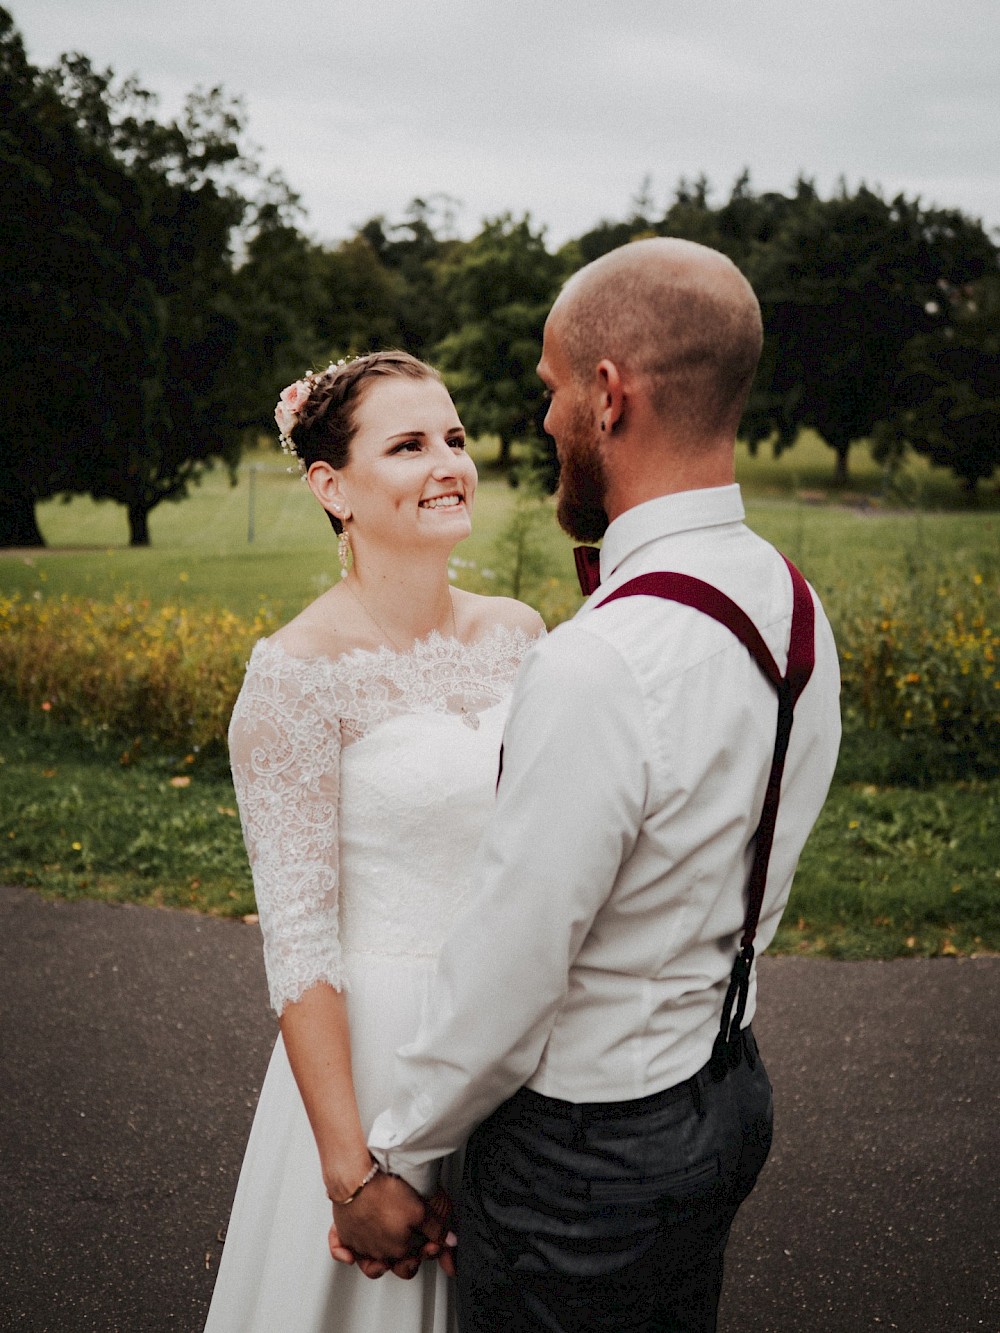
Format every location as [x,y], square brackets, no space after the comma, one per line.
[364,747]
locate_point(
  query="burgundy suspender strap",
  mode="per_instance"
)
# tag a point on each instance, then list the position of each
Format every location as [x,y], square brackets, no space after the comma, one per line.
[801,657]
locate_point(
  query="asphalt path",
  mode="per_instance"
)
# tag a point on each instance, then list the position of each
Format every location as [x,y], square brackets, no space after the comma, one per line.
[134,1042]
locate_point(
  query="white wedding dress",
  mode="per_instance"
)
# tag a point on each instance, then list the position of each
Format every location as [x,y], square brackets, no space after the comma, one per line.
[363,785]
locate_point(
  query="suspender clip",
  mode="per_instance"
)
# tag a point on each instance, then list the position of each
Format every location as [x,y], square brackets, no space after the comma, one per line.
[728,1049]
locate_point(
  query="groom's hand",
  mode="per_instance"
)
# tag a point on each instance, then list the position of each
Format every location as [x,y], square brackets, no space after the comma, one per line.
[387,1224]
[440,1207]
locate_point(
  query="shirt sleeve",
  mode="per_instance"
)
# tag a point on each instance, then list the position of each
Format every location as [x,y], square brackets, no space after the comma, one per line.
[285,757]
[569,809]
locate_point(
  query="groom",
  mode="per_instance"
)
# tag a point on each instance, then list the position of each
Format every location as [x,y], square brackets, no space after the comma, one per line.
[570,1031]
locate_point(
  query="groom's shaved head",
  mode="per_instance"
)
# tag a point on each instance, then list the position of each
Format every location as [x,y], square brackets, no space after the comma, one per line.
[676,315]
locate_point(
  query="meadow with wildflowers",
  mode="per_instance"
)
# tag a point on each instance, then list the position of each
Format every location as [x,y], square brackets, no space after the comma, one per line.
[127,672]
[119,668]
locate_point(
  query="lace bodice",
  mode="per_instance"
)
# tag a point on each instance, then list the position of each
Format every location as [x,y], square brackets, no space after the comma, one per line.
[363,787]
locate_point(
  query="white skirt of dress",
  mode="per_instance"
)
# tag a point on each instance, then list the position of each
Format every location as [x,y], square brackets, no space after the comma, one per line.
[276,1273]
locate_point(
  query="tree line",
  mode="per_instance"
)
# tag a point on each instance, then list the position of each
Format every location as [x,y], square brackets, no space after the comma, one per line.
[158,289]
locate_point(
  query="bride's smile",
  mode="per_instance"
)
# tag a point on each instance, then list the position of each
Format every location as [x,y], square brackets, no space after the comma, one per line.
[408,480]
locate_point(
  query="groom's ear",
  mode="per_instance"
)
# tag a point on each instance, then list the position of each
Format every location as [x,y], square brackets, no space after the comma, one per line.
[610,395]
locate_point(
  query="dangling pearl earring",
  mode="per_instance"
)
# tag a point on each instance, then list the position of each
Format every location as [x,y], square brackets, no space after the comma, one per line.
[343,551]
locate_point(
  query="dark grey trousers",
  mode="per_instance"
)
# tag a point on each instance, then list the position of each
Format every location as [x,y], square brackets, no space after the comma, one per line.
[609,1216]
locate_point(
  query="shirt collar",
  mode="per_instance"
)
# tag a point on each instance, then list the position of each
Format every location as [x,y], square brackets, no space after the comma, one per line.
[666,515]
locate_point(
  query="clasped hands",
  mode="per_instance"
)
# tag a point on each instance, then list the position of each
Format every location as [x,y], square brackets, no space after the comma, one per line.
[389,1228]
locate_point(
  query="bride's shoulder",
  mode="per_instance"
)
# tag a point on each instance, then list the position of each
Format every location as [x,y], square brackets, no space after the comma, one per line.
[482,615]
[324,631]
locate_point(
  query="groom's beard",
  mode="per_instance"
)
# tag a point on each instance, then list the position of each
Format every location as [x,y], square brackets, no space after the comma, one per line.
[580,497]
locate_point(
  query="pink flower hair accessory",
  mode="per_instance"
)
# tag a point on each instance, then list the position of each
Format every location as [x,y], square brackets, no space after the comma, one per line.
[292,400]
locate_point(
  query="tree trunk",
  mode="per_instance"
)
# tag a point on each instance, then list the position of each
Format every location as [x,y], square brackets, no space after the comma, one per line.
[138,525]
[18,526]
[840,477]
[504,456]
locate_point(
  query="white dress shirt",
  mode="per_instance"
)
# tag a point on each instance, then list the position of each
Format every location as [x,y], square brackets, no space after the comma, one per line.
[593,959]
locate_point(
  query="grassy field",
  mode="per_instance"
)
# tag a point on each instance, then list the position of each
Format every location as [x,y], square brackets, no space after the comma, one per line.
[200,551]
[890,870]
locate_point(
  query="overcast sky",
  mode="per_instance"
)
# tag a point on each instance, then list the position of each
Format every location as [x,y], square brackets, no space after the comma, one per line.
[562,107]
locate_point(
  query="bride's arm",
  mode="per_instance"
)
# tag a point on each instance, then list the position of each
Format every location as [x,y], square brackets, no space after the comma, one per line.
[285,754]
[284,743]
[318,1044]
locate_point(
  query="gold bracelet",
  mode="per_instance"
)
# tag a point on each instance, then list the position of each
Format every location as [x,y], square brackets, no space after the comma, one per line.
[373,1172]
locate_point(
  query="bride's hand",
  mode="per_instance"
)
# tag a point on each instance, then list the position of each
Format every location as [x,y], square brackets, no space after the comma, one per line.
[340,1252]
[387,1222]
[404,1268]
[439,1212]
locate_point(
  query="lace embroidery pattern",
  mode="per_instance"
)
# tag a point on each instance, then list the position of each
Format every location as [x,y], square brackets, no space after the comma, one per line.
[290,724]
[438,675]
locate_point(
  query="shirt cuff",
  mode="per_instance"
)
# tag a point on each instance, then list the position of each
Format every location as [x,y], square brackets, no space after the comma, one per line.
[422,1176]
[387,1141]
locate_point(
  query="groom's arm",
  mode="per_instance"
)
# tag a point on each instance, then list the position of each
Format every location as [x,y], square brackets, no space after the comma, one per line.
[569,809]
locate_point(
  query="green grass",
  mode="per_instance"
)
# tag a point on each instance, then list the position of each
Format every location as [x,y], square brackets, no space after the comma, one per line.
[80,824]
[878,877]
[891,872]
[200,551]
[888,872]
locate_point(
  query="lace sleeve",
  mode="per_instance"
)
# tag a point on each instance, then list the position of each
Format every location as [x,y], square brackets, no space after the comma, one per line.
[285,756]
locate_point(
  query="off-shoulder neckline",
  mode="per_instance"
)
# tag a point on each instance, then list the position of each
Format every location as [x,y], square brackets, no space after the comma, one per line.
[384,654]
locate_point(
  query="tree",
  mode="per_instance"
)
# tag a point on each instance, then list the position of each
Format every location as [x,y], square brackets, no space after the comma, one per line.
[82,337]
[128,372]
[609,235]
[364,300]
[742,227]
[194,176]
[413,253]
[845,285]
[282,298]
[501,286]
[948,395]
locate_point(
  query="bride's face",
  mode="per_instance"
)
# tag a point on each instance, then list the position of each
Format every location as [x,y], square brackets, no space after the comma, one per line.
[408,481]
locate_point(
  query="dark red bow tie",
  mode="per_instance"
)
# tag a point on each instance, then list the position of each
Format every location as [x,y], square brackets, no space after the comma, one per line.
[588,568]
